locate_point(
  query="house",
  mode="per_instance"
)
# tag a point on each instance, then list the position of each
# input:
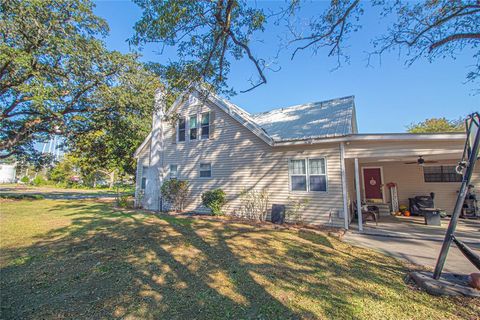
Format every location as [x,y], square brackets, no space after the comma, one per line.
[7,173]
[310,151]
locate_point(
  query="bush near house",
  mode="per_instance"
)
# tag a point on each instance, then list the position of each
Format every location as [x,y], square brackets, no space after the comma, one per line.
[175,192]
[214,200]
[254,204]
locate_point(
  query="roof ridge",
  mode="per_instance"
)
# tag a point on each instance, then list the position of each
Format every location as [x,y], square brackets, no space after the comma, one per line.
[253,115]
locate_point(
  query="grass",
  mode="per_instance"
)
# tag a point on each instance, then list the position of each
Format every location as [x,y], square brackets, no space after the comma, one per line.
[86,260]
[18,191]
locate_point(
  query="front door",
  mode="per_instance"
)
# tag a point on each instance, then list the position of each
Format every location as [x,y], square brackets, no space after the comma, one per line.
[372,181]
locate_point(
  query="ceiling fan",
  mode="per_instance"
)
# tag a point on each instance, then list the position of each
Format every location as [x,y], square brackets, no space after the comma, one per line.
[420,161]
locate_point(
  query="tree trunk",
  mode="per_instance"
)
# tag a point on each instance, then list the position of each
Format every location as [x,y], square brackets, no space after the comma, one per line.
[112,179]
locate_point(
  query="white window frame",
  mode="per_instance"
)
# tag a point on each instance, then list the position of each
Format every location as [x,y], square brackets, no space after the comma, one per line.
[307,175]
[200,170]
[170,176]
[142,185]
[187,132]
[297,175]
[199,121]
[196,127]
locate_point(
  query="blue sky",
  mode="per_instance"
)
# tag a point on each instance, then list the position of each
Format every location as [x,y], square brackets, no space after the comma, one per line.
[388,96]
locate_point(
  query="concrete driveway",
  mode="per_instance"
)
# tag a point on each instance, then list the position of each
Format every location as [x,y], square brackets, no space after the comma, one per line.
[409,239]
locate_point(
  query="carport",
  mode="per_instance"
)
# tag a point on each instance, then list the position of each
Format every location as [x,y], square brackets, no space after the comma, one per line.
[372,162]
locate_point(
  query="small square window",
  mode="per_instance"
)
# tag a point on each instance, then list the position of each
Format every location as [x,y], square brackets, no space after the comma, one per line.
[205,170]
[173,171]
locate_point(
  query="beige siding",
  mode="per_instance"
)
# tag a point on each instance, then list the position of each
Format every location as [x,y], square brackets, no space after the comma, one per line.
[410,181]
[241,161]
[142,161]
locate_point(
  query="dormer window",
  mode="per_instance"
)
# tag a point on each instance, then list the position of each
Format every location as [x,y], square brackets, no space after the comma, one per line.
[193,127]
[205,125]
[182,129]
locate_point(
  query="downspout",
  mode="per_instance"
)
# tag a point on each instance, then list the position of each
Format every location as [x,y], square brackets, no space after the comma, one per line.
[344,186]
[162,156]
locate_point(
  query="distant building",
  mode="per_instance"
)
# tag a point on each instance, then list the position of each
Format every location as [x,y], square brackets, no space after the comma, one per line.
[7,173]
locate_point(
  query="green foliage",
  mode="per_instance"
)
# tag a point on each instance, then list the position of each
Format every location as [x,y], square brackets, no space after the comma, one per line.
[64,170]
[114,137]
[39,181]
[437,125]
[175,192]
[123,201]
[22,196]
[214,200]
[25,179]
[56,73]
[205,35]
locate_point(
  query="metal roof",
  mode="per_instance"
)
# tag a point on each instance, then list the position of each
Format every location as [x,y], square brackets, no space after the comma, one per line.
[324,119]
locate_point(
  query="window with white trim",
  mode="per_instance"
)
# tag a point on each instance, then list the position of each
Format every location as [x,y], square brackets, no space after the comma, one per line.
[182,129]
[205,125]
[193,127]
[173,172]
[143,182]
[308,175]
[317,175]
[298,175]
[205,170]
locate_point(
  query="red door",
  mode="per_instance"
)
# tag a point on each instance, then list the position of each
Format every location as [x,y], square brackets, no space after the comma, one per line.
[372,180]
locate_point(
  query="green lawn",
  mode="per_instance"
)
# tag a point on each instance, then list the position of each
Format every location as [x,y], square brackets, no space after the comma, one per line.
[85,260]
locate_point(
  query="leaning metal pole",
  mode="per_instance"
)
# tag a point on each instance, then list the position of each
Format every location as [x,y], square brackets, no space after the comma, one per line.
[473,155]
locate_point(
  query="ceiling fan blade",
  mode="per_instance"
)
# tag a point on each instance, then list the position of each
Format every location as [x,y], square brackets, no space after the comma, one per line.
[431,161]
[413,162]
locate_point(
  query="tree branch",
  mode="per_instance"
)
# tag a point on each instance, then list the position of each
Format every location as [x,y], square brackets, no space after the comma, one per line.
[319,37]
[454,37]
[253,59]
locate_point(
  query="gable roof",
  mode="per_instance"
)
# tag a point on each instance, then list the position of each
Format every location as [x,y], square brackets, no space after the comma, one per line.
[324,119]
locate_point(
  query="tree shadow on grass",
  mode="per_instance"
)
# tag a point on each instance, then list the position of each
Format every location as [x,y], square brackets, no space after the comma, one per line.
[111,264]
[116,264]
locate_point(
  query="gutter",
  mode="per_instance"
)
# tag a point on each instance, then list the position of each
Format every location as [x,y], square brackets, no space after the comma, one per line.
[375,137]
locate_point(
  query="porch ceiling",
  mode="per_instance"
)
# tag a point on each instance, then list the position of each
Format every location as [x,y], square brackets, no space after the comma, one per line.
[454,156]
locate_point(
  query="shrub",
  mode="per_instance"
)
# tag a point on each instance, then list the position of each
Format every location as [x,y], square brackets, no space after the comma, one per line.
[25,179]
[254,204]
[295,209]
[214,200]
[122,201]
[175,192]
[39,181]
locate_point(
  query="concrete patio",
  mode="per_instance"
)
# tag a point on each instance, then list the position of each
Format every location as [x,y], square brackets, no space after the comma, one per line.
[409,239]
